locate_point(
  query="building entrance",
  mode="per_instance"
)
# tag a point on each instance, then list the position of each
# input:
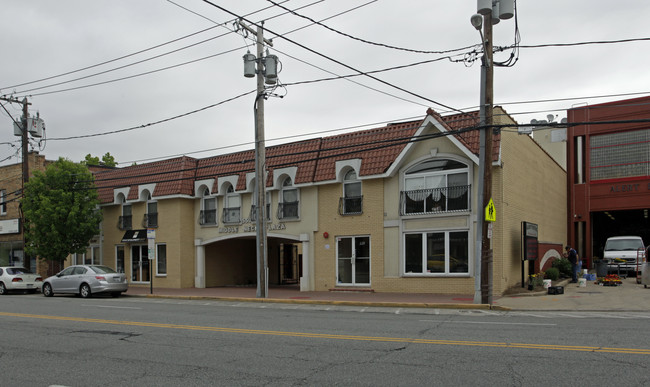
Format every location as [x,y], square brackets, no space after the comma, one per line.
[140,271]
[353,260]
[618,223]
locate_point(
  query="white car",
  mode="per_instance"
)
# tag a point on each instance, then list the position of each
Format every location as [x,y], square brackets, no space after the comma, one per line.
[86,280]
[14,278]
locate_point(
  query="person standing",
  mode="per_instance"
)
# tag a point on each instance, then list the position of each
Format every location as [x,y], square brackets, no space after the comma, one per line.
[572,256]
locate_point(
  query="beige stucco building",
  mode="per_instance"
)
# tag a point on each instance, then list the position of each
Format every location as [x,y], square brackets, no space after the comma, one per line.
[391,209]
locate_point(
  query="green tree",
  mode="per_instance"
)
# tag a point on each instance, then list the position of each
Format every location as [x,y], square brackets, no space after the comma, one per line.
[107,160]
[60,208]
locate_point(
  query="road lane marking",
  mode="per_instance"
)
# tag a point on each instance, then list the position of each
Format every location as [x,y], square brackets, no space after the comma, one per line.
[630,351]
[110,306]
[487,322]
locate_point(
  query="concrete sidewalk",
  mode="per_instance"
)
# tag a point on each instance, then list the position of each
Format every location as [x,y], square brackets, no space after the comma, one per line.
[627,297]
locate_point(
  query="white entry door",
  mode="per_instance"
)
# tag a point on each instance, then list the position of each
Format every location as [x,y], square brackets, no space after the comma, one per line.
[353,260]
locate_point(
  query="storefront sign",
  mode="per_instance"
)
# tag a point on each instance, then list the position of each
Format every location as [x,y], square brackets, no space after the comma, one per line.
[252,228]
[11,226]
[530,245]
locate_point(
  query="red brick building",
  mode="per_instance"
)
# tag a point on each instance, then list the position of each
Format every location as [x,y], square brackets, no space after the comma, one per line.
[608,172]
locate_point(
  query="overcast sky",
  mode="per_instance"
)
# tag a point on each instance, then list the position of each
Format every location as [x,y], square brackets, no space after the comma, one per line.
[42,39]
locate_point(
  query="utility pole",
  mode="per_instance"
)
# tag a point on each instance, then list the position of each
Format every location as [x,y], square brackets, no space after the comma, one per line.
[489,12]
[25,163]
[25,144]
[486,250]
[266,69]
[260,174]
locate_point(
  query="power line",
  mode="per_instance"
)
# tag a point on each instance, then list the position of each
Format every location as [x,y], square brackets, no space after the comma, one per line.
[337,61]
[155,122]
[364,40]
[140,51]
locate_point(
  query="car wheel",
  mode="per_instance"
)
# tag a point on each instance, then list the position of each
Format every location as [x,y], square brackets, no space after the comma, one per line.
[84,291]
[47,290]
[3,289]
[115,294]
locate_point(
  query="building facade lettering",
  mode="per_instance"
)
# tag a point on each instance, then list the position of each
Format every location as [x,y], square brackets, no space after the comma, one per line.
[626,188]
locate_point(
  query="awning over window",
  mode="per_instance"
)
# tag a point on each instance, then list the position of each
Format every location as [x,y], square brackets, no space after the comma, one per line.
[135,236]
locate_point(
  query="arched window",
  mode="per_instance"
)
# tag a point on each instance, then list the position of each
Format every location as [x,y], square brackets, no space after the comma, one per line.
[288,206]
[232,206]
[351,202]
[208,213]
[438,185]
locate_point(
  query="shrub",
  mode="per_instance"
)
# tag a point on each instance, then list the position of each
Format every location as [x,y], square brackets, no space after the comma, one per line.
[563,265]
[553,273]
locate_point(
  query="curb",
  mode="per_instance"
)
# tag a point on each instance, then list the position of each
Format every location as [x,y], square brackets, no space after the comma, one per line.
[326,302]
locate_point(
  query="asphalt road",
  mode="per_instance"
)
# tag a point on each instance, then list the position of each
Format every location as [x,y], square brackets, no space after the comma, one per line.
[71,341]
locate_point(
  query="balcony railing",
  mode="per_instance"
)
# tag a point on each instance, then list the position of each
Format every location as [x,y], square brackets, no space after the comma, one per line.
[208,217]
[150,220]
[435,200]
[253,215]
[124,222]
[231,215]
[352,205]
[288,210]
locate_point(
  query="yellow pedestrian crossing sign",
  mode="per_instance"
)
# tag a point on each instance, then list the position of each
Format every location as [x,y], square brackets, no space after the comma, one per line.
[490,212]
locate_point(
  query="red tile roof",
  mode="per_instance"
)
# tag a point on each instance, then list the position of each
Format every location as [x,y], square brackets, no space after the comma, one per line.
[471,138]
[314,159]
[172,177]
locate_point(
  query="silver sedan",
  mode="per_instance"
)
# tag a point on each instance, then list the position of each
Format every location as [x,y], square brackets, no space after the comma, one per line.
[86,280]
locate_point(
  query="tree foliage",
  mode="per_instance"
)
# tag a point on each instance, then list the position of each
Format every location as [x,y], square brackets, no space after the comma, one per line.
[60,209]
[107,160]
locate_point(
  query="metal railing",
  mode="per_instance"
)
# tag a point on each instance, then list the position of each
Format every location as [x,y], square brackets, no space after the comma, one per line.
[125,222]
[288,210]
[435,200]
[150,220]
[351,205]
[231,215]
[208,217]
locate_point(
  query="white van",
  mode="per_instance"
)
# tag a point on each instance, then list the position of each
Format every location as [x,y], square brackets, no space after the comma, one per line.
[621,252]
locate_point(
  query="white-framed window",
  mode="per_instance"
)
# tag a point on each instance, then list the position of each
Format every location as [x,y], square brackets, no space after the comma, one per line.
[232,206]
[151,217]
[3,202]
[352,201]
[436,252]
[119,259]
[90,257]
[436,185]
[208,215]
[126,220]
[161,259]
[288,207]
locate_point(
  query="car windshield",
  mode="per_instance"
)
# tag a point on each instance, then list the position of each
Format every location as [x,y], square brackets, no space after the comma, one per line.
[17,270]
[102,269]
[623,245]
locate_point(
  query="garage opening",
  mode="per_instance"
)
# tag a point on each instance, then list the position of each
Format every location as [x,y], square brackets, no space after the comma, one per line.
[618,223]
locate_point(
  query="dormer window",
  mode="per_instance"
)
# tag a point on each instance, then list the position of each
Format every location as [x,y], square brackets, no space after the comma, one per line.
[288,206]
[208,215]
[232,206]
[352,201]
[125,222]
